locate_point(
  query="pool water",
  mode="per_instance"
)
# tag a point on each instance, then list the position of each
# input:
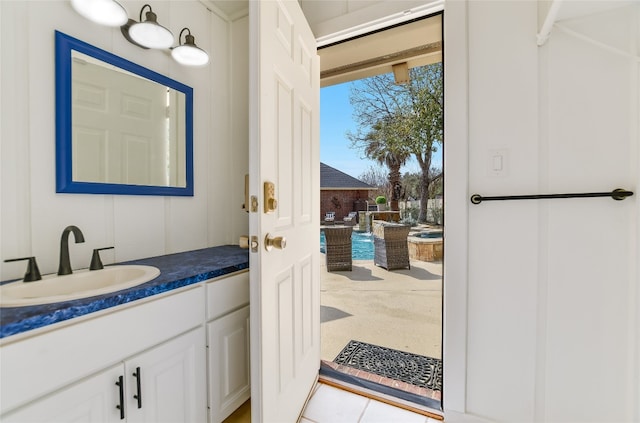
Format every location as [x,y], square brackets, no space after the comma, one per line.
[429,235]
[361,245]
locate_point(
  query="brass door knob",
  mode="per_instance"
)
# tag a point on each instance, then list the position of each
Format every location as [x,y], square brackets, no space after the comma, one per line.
[278,242]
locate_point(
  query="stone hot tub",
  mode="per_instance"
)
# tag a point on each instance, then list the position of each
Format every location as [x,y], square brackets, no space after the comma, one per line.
[425,246]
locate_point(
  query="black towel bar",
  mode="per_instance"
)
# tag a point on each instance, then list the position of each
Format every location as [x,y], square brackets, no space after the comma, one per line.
[616,194]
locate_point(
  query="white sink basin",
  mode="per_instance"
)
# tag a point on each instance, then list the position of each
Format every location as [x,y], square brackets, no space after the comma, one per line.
[80,284]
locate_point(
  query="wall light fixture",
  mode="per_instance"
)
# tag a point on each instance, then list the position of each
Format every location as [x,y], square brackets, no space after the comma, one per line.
[145,34]
[189,54]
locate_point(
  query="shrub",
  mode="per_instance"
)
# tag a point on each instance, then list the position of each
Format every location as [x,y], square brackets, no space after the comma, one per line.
[436,216]
[381,199]
[411,213]
[409,221]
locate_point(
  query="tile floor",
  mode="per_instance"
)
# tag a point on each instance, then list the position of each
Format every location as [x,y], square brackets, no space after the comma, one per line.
[333,405]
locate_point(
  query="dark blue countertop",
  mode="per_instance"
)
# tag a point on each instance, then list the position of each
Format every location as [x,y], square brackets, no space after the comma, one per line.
[176,270]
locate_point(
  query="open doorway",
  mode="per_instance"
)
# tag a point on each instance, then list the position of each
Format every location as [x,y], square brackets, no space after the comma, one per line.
[381,329]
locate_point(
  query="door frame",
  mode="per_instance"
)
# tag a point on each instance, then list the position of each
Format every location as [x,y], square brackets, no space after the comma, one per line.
[381,26]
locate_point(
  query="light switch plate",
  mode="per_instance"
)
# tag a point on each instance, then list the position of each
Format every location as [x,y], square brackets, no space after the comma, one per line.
[498,162]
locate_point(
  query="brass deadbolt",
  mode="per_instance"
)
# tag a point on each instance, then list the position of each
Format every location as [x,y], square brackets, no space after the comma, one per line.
[270,202]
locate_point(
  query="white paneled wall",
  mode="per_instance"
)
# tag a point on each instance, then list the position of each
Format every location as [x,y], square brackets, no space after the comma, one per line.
[547,312]
[591,145]
[502,116]
[32,215]
[239,92]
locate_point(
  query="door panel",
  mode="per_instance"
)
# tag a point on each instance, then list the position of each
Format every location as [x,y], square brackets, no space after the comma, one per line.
[172,380]
[284,149]
[228,351]
[285,335]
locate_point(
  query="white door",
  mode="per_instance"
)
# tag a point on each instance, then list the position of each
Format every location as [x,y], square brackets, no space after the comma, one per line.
[284,150]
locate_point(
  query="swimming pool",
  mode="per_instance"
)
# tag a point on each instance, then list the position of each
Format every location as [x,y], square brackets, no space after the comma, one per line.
[361,245]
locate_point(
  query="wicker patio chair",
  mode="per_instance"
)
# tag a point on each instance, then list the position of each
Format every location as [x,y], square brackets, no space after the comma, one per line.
[390,245]
[338,248]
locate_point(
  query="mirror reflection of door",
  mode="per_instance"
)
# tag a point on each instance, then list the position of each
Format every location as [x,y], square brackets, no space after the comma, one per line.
[123,129]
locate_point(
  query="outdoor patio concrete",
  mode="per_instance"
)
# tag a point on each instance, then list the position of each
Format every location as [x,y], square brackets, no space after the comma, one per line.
[399,309]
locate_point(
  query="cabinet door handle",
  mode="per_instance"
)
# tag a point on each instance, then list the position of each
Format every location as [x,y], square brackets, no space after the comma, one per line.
[138,395]
[120,384]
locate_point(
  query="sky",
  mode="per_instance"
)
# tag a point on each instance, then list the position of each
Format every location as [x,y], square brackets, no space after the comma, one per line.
[336,118]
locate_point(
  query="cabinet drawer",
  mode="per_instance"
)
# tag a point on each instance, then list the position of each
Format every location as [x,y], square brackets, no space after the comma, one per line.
[227,294]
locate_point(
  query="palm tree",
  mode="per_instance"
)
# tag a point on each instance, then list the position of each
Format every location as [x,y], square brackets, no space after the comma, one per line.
[383,147]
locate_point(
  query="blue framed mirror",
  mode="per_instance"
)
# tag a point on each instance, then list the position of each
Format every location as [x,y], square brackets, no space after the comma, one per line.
[120,128]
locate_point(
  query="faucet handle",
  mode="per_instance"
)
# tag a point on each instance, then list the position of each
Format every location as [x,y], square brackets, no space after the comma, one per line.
[96,263]
[33,273]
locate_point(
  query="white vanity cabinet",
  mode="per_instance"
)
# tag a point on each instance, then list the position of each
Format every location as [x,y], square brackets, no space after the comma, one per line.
[228,345]
[163,384]
[179,354]
[71,373]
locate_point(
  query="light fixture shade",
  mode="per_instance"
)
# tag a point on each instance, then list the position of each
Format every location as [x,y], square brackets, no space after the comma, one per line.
[189,54]
[150,33]
[103,12]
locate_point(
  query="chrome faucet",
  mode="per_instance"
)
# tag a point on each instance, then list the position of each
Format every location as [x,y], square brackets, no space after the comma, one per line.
[64,268]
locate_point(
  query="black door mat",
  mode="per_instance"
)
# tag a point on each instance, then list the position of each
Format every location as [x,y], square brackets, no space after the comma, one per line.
[414,369]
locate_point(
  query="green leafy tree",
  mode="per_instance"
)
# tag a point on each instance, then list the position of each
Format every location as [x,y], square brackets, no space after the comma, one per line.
[399,121]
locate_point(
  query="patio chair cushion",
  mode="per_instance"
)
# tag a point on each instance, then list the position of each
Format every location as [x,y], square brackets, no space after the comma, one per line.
[351,218]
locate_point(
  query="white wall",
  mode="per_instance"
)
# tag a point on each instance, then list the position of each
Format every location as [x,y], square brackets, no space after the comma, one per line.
[32,215]
[541,297]
[592,142]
